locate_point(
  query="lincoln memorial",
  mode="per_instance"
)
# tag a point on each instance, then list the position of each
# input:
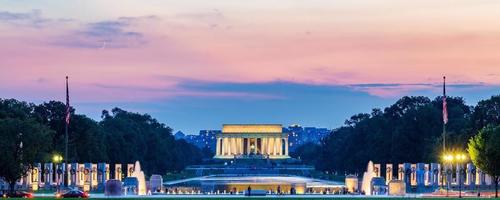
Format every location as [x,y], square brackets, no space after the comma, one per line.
[252,141]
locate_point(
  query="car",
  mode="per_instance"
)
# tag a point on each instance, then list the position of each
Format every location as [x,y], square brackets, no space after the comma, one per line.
[18,194]
[73,194]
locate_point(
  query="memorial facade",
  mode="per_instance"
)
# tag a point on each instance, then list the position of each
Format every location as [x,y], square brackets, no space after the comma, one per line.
[252,141]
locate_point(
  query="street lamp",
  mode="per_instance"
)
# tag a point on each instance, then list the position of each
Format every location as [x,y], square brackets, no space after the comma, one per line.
[460,159]
[448,159]
[56,158]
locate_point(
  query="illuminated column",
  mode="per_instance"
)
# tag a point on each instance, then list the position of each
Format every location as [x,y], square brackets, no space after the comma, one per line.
[233,146]
[217,145]
[248,146]
[271,146]
[229,146]
[226,146]
[241,145]
[275,150]
[223,146]
[236,146]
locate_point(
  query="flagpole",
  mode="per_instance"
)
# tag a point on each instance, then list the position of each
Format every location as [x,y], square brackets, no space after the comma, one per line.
[444,138]
[66,136]
[444,123]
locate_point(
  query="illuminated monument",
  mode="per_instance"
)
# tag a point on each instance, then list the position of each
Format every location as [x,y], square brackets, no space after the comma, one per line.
[252,141]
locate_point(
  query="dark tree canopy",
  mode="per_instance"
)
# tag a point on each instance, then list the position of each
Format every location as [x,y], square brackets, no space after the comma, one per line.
[410,130]
[21,142]
[120,137]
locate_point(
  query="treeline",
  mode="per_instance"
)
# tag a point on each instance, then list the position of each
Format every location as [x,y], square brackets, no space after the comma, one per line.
[120,137]
[410,130]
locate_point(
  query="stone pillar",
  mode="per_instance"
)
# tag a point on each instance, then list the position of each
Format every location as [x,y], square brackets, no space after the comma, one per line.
[470,177]
[101,175]
[236,146]
[434,171]
[377,169]
[48,171]
[118,172]
[233,146]
[35,176]
[60,173]
[94,176]
[273,146]
[224,150]
[248,146]
[81,176]
[88,177]
[488,180]
[229,150]
[420,177]
[388,173]
[480,178]
[459,174]
[217,145]
[413,181]
[278,146]
[240,147]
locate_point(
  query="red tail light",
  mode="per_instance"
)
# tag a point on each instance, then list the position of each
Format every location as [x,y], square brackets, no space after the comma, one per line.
[30,195]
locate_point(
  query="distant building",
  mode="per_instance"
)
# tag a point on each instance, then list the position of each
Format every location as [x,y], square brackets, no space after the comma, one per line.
[179,135]
[252,141]
[205,138]
[299,135]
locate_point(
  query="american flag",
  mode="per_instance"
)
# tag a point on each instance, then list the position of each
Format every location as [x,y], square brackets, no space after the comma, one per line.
[68,113]
[445,107]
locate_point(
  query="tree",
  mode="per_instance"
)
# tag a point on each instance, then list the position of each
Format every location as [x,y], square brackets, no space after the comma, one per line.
[408,131]
[23,143]
[486,112]
[484,151]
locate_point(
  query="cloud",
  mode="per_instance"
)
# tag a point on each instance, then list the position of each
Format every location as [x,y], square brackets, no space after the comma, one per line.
[400,89]
[188,88]
[104,34]
[32,19]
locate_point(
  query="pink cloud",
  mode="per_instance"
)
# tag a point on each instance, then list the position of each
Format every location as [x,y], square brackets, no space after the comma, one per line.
[130,51]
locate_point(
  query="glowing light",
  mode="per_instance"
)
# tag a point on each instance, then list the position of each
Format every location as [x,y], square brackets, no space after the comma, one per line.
[57,158]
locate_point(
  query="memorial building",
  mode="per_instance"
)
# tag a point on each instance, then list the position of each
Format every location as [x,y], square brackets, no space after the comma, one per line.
[252,141]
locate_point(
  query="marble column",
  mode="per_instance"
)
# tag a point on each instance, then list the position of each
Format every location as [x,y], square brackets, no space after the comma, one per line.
[235,152]
[232,143]
[275,146]
[241,145]
[223,146]
[217,146]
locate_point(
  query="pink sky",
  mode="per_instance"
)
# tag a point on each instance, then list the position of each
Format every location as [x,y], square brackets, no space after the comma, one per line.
[152,45]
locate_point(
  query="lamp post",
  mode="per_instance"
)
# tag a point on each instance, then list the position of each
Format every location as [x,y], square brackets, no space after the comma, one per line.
[460,159]
[448,159]
[56,158]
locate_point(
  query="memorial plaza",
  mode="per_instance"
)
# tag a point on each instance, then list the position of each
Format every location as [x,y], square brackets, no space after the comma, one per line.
[254,157]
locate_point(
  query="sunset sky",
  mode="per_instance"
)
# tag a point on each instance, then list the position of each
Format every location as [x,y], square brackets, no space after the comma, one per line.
[198,64]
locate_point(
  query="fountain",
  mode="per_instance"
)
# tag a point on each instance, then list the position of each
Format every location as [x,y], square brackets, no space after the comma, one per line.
[367,179]
[141,185]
